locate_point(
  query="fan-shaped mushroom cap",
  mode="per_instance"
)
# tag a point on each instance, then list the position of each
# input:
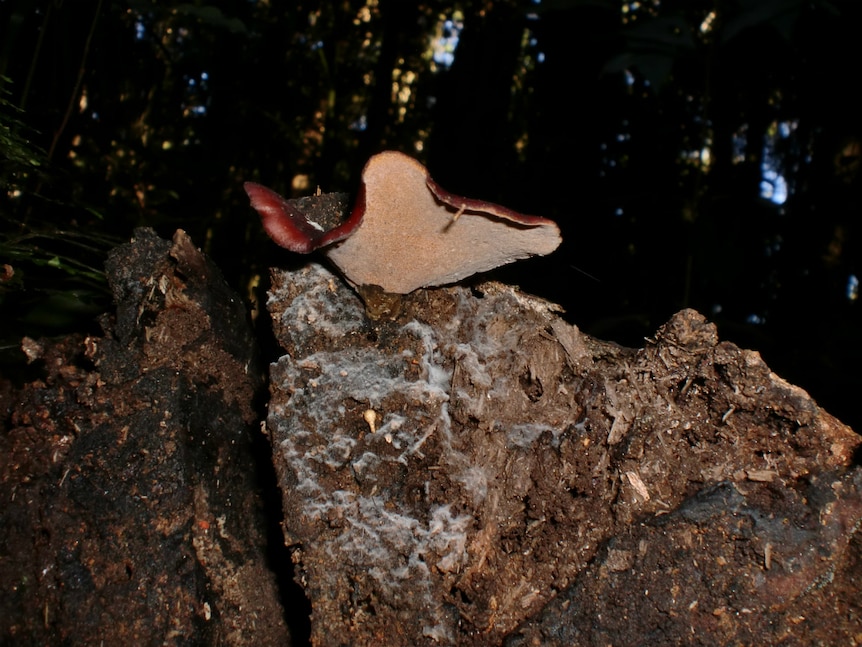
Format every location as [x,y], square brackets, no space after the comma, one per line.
[296,224]
[406,232]
[410,236]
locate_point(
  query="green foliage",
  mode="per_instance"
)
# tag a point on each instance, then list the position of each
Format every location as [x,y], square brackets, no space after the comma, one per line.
[213,17]
[49,282]
[18,156]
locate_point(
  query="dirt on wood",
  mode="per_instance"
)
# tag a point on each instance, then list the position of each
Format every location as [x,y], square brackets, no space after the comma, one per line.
[131,512]
[477,471]
[458,467]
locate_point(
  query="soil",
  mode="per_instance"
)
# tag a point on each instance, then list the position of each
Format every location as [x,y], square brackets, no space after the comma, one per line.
[131,509]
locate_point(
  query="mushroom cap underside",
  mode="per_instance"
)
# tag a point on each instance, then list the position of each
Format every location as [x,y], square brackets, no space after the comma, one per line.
[410,238]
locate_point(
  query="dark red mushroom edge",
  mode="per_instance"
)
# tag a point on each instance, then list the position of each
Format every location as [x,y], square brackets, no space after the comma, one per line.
[405,231]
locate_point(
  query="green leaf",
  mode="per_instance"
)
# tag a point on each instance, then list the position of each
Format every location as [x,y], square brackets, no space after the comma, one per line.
[213,17]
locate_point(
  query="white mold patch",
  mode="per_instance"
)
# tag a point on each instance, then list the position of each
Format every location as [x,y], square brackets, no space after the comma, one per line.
[524,435]
[394,440]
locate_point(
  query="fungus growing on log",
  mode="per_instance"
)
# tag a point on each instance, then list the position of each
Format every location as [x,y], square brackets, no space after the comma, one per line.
[406,232]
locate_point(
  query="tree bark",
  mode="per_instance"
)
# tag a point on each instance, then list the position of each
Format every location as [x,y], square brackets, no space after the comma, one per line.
[131,512]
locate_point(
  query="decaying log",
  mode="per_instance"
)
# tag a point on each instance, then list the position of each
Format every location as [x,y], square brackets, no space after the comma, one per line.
[463,467]
[130,510]
[477,471]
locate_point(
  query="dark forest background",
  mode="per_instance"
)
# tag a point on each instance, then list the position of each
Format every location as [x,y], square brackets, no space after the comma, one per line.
[695,153]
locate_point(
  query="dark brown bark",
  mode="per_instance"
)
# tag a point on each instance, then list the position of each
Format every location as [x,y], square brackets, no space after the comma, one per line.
[130,510]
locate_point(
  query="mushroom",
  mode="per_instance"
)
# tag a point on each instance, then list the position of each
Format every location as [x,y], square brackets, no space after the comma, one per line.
[405,231]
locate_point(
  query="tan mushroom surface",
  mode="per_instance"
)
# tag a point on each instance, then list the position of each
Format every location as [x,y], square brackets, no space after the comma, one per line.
[412,236]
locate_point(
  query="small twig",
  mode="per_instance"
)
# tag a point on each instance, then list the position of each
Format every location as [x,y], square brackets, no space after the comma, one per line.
[81,70]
